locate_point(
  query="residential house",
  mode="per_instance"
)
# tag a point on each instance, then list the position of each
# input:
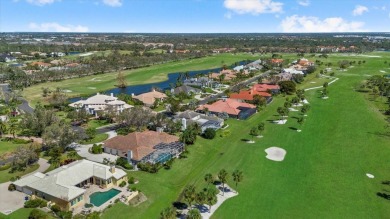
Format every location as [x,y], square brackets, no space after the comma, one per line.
[99,103]
[201,82]
[144,147]
[292,71]
[204,121]
[185,89]
[41,65]
[66,186]
[264,90]
[149,98]
[7,58]
[232,107]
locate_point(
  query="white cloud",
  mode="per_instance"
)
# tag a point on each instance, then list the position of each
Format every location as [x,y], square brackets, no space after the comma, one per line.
[304,2]
[359,10]
[113,3]
[254,7]
[297,23]
[55,27]
[42,2]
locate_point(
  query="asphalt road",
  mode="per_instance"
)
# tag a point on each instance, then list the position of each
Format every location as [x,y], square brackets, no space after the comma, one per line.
[24,106]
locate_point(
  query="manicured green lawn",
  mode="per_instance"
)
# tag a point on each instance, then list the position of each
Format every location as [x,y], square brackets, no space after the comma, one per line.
[7,147]
[98,138]
[322,176]
[22,213]
[6,176]
[92,84]
[94,123]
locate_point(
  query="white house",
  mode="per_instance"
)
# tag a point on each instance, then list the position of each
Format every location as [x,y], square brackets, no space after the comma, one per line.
[292,71]
[101,102]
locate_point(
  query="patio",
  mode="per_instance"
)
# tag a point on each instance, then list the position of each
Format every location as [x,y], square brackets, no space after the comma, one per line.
[124,196]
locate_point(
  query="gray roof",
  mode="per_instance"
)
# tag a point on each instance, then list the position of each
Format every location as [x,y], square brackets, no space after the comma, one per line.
[186,89]
[61,182]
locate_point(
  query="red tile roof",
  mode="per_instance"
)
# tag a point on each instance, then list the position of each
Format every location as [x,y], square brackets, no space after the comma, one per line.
[140,143]
[257,89]
[277,60]
[229,106]
[265,87]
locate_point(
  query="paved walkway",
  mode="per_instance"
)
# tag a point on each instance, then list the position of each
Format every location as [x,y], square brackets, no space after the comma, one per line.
[229,193]
[83,151]
[319,87]
[43,166]
[12,201]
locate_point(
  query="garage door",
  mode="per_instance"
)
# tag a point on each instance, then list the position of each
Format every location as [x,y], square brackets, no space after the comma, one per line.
[27,191]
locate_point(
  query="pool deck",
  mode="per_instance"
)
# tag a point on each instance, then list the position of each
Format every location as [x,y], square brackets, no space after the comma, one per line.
[95,188]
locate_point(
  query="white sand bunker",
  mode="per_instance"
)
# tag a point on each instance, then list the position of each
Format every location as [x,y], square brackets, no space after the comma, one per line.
[275,153]
[370,175]
[297,104]
[92,88]
[383,71]
[325,98]
[305,101]
[293,110]
[313,82]
[280,122]
[67,91]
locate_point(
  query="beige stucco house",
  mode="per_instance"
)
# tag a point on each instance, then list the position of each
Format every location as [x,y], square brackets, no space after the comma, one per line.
[64,185]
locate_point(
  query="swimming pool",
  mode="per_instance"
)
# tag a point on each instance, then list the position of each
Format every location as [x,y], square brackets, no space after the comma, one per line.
[99,198]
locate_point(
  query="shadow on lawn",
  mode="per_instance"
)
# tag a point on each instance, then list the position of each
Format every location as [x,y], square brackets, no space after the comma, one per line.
[383,195]
[380,134]
[244,139]
[293,128]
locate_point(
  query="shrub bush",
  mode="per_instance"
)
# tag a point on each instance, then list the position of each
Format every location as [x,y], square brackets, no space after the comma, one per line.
[96,149]
[123,163]
[35,203]
[131,180]
[65,214]
[5,167]
[37,214]
[55,208]
[122,184]
[11,187]
[20,141]
[209,133]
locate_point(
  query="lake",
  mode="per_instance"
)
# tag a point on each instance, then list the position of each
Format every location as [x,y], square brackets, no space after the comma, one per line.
[163,85]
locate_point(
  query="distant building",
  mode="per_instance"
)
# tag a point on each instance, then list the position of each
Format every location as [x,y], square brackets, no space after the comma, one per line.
[101,102]
[190,117]
[185,89]
[233,108]
[149,97]
[7,58]
[147,146]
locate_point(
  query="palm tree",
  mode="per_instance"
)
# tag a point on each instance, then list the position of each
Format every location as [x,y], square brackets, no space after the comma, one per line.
[254,132]
[187,74]
[221,77]
[237,177]
[12,128]
[190,195]
[261,127]
[3,128]
[201,198]
[168,213]
[209,179]
[211,198]
[300,121]
[223,177]
[194,214]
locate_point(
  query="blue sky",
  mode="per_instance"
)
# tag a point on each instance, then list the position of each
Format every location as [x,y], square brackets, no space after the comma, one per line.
[195,16]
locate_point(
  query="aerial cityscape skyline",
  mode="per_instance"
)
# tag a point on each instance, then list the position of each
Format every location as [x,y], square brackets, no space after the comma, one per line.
[194,16]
